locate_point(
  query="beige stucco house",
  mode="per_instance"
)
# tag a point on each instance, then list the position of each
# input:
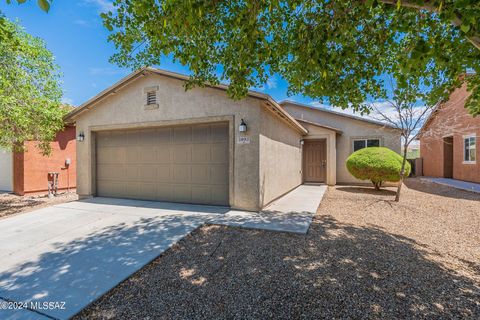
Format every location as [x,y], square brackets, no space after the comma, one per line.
[147,138]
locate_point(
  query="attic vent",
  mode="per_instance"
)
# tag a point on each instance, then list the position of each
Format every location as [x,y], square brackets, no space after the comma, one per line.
[151,98]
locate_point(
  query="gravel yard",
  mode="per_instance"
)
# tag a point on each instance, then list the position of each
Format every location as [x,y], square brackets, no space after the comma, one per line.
[13,204]
[364,256]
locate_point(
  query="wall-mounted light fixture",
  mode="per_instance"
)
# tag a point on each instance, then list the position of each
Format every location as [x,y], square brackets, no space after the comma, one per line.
[80,137]
[242,127]
[302,142]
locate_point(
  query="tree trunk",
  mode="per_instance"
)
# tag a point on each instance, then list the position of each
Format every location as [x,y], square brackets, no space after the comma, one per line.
[402,174]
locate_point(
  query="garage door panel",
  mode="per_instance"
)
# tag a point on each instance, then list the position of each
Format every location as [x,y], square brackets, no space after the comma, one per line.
[132,188]
[112,188]
[182,193]
[164,154]
[111,155]
[182,173]
[219,133]
[148,155]
[148,191]
[164,173]
[110,172]
[182,153]
[132,154]
[201,194]
[218,173]
[202,153]
[180,164]
[201,134]
[182,135]
[147,173]
[201,174]
[164,136]
[164,192]
[131,172]
[219,152]
[219,194]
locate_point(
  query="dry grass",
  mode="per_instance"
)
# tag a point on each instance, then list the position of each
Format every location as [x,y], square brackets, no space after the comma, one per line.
[11,204]
[363,257]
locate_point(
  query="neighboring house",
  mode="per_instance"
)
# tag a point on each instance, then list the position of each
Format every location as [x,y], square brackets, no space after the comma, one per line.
[27,172]
[449,140]
[147,138]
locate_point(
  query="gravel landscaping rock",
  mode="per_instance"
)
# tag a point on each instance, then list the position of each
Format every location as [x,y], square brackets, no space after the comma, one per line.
[13,204]
[364,257]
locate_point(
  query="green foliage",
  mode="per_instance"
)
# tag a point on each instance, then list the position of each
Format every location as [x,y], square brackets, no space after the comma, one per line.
[377,164]
[30,90]
[43,4]
[333,51]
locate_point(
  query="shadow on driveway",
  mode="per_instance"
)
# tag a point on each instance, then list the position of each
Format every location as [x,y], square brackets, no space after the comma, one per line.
[81,270]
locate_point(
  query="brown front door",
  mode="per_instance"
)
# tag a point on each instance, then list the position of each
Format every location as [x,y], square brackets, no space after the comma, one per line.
[314,160]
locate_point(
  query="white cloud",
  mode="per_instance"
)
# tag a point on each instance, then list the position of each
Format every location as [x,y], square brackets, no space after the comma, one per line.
[102,5]
[271,82]
[67,100]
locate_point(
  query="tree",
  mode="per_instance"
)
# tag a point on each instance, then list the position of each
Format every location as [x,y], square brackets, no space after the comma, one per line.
[377,164]
[30,90]
[43,4]
[333,51]
[404,113]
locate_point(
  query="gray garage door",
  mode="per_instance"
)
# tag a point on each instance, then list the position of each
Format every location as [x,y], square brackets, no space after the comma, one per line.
[180,164]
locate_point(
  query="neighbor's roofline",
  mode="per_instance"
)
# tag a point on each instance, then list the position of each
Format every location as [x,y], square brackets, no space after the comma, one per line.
[70,117]
[379,123]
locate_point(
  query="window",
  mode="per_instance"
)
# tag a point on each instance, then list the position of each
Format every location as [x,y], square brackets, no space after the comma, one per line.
[364,143]
[470,148]
[151,98]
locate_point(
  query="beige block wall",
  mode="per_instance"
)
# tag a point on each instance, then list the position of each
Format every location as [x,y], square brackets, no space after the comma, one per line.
[351,129]
[125,109]
[280,158]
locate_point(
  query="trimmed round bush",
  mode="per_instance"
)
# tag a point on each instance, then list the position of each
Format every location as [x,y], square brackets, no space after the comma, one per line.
[377,164]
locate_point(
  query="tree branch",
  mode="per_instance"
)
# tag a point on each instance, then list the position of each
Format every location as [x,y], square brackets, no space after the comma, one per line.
[475,39]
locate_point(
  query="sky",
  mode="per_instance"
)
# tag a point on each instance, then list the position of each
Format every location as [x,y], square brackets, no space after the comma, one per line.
[74,33]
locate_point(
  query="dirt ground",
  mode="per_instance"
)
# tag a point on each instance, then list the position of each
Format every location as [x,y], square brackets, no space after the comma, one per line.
[364,257]
[12,204]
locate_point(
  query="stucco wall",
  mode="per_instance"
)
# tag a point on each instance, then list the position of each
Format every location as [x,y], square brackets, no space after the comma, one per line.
[451,119]
[31,167]
[352,129]
[6,170]
[126,109]
[280,158]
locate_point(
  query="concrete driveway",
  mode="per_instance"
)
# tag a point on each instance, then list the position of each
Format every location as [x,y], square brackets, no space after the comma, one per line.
[55,261]
[70,254]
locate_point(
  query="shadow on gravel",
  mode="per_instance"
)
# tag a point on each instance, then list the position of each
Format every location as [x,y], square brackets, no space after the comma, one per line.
[366,190]
[16,205]
[335,271]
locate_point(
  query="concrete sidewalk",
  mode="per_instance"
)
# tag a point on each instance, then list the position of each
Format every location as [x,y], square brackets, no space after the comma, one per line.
[291,213]
[463,185]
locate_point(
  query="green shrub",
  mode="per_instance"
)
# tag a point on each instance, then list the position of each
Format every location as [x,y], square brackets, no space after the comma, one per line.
[377,164]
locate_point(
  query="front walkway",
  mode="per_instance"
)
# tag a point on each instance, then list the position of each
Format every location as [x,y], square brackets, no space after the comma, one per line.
[463,185]
[291,213]
[71,254]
